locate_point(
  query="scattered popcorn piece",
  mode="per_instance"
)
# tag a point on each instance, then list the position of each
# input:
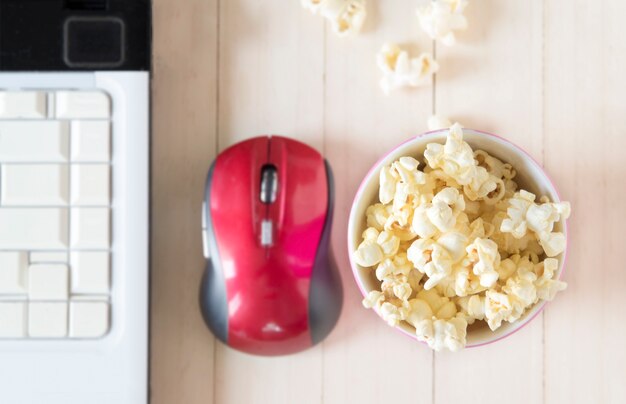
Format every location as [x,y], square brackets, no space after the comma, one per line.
[458,243]
[440,18]
[313,6]
[399,70]
[345,16]
[436,122]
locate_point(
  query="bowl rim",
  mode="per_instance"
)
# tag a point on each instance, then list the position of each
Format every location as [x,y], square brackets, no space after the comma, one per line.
[540,306]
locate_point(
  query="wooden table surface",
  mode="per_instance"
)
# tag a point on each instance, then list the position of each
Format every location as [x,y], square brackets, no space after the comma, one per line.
[549,75]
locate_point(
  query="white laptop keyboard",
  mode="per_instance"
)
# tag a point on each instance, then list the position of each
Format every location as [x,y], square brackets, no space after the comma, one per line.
[55,214]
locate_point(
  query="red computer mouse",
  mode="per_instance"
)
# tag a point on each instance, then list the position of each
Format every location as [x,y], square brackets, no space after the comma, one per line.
[270,286]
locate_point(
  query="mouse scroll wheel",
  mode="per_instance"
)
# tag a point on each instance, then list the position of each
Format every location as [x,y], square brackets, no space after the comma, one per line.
[269,184]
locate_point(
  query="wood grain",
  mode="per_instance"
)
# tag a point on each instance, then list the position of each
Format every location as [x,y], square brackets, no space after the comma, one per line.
[585,130]
[549,75]
[183,144]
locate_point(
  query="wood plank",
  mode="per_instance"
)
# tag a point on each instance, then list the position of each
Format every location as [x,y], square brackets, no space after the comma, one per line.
[364,360]
[584,152]
[491,80]
[183,144]
[271,82]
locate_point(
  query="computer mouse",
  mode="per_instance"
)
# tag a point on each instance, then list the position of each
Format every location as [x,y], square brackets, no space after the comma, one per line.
[270,285]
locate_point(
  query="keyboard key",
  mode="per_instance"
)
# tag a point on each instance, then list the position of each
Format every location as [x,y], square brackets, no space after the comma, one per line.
[12,319]
[88,319]
[91,141]
[13,271]
[90,272]
[23,104]
[34,142]
[48,282]
[90,185]
[48,257]
[33,228]
[47,320]
[82,104]
[32,185]
[90,228]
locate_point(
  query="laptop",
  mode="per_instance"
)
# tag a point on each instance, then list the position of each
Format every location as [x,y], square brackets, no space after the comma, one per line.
[74,209]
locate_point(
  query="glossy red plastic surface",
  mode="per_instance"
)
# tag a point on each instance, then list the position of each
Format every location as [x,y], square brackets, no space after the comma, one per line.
[268,287]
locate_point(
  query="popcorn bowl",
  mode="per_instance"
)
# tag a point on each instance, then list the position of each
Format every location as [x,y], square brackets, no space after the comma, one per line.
[530,176]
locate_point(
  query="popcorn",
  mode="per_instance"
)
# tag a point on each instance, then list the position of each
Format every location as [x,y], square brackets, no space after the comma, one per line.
[346,16]
[392,314]
[388,242]
[419,310]
[436,122]
[516,221]
[454,243]
[458,243]
[313,6]
[472,308]
[521,291]
[449,334]
[401,71]
[547,286]
[447,311]
[483,255]
[553,244]
[368,254]
[388,181]
[431,259]
[476,307]
[439,19]
[377,216]
[373,299]
[402,291]
[398,265]
[498,307]
[406,167]
[524,214]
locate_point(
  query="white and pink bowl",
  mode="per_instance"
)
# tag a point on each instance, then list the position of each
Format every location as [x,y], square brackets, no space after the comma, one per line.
[530,176]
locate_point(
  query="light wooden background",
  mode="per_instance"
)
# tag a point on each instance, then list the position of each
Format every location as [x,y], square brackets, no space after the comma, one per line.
[549,75]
